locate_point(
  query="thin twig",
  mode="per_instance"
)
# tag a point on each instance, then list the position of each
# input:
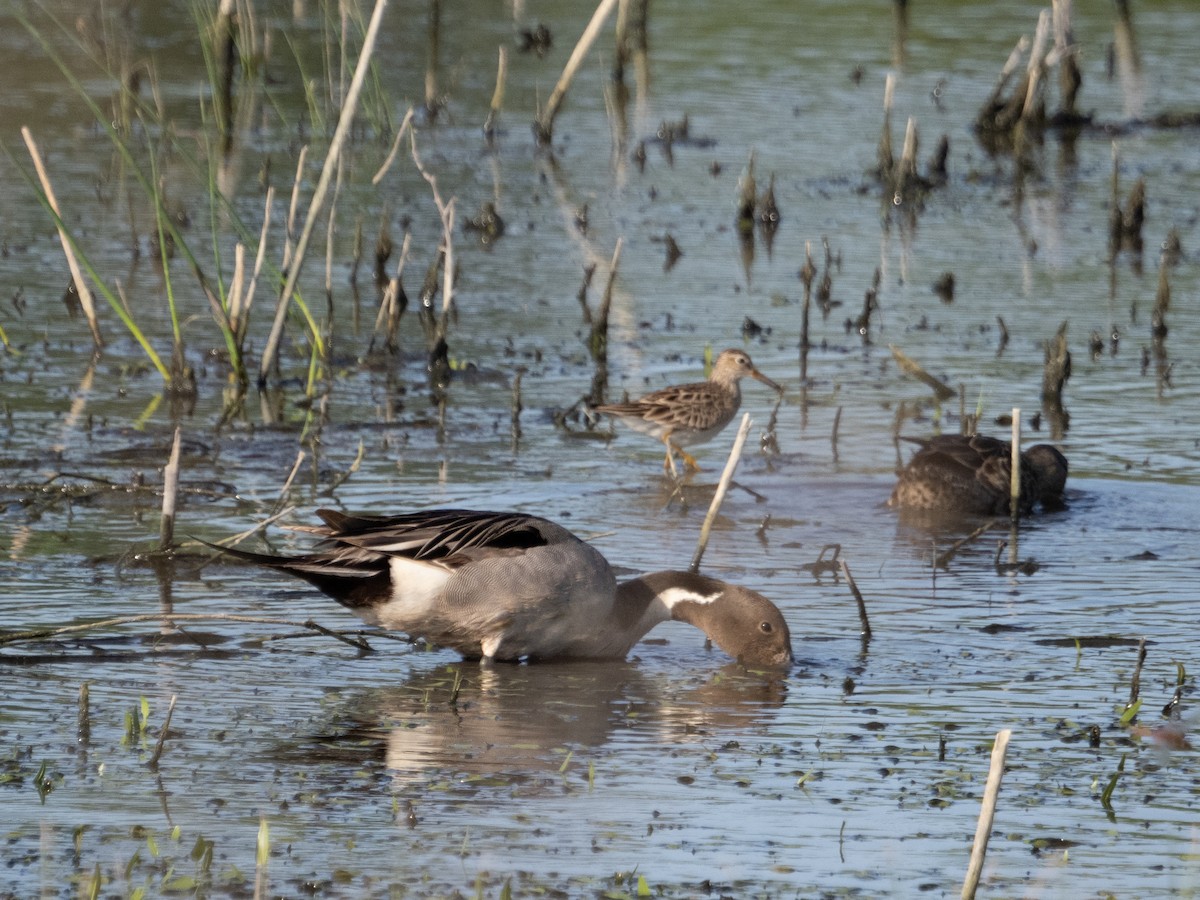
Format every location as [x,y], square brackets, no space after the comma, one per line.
[984,829]
[722,486]
[1135,684]
[941,559]
[43,633]
[162,735]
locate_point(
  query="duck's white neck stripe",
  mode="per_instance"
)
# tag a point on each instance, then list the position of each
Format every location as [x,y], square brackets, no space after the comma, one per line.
[674,595]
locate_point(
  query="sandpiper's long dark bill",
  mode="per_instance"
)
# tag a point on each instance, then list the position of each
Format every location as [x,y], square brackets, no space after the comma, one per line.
[507,586]
[972,474]
[683,415]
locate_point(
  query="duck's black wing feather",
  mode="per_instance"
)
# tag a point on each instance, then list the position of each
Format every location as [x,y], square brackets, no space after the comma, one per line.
[440,534]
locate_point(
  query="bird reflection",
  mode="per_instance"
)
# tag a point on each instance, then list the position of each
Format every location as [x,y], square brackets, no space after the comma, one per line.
[475,723]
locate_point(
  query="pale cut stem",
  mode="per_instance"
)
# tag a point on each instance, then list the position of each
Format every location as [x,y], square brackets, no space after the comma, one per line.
[986,814]
[318,198]
[1014,482]
[545,121]
[166,533]
[86,300]
[489,125]
[1036,62]
[731,464]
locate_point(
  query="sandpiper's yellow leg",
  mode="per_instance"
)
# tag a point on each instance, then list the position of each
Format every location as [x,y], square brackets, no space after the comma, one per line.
[689,461]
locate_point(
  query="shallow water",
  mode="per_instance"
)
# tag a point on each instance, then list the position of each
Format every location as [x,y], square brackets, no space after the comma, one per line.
[405,772]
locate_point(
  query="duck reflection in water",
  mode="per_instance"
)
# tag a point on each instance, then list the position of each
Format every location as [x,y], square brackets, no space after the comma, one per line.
[504,725]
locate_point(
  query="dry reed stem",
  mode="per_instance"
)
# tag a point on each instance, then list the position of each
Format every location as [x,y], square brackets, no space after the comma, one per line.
[166,533]
[335,150]
[986,814]
[86,300]
[446,212]
[735,456]
[489,124]
[1014,480]
[1036,63]
[391,157]
[544,123]
[243,311]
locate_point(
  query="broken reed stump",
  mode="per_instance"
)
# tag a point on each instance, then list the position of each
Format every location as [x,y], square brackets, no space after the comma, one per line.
[747,198]
[735,455]
[1162,303]
[543,124]
[1055,373]
[1014,478]
[858,599]
[987,814]
[489,124]
[166,534]
[1135,683]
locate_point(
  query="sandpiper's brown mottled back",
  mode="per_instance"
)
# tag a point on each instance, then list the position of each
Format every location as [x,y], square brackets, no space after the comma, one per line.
[509,586]
[971,474]
[683,415]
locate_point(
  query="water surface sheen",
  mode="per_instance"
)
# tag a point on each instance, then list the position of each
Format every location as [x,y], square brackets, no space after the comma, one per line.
[405,772]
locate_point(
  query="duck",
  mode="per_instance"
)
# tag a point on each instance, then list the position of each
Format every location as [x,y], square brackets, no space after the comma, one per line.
[971,474]
[683,415]
[506,586]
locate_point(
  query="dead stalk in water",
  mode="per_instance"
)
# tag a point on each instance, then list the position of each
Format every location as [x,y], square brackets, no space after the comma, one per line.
[309,625]
[735,456]
[858,599]
[391,157]
[543,125]
[86,300]
[886,157]
[1014,480]
[833,438]
[335,149]
[162,735]
[1135,683]
[446,212]
[166,534]
[984,829]
[85,717]
[489,125]
[941,560]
